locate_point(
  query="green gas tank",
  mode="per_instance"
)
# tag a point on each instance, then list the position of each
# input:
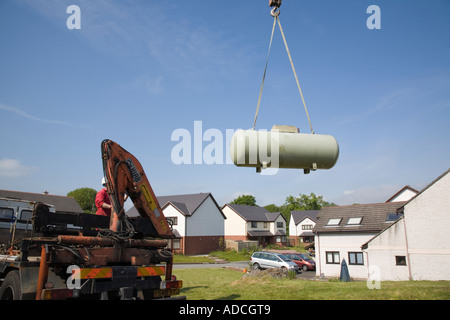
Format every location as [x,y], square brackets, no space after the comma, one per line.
[283,147]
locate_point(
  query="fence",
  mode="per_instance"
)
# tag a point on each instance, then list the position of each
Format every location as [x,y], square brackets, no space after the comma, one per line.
[238,245]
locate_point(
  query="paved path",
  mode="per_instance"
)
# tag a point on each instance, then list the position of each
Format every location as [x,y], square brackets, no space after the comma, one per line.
[307,275]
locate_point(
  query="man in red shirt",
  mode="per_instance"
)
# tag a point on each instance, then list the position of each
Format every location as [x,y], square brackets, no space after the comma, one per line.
[102,201]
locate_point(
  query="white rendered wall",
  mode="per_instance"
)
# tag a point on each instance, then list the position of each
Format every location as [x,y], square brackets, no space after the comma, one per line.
[234,224]
[170,212]
[342,243]
[384,248]
[427,222]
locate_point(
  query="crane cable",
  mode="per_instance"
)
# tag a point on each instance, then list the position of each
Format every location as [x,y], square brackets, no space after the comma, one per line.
[276,19]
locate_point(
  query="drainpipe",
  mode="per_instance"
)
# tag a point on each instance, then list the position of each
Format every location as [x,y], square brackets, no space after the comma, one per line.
[318,255]
[185,234]
[406,244]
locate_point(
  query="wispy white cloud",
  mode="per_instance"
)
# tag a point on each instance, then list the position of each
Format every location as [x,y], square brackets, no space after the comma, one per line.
[398,98]
[12,168]
[370,194]
[29,116]
[146,32]
[408,97]
[153,85]
[24,114]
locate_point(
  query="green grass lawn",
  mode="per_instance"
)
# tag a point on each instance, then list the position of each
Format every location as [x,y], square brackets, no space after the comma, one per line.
[226,284]
[224,255]
[180,258]
[228,255]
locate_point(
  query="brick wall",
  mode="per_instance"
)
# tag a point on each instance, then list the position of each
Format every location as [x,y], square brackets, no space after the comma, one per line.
[201,244]
[236,238]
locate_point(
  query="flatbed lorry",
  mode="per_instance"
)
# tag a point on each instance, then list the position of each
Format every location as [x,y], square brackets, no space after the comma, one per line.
[48,255]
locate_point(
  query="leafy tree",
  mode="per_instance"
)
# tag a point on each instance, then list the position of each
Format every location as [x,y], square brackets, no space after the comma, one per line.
[85,198]
[272,208]
[303,202]
[247,200]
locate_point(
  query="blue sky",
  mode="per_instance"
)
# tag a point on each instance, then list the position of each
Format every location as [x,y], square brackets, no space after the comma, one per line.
[138,70]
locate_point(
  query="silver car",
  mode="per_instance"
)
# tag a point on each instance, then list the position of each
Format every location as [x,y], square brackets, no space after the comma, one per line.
[265,260]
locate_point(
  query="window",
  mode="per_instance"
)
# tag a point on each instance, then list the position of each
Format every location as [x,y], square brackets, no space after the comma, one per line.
[176,244]
[172,220]
[26,215]
[6,213]
[354,221]
[265,256]
[332,257]
[390,217]
[334,222]
[283,257]
[280,225]
[258,255]
[254,224]
[265,225]
[400,260]
[355,258]
[307,227]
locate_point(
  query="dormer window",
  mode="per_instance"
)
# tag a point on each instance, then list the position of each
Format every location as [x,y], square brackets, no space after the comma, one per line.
[354,221]
[333,222]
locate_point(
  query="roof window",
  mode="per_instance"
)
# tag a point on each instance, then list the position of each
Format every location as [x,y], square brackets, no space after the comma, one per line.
[391,217]
[334,222]
[354,221]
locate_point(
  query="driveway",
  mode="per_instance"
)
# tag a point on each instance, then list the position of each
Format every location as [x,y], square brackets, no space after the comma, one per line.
[306,275]
[233,264]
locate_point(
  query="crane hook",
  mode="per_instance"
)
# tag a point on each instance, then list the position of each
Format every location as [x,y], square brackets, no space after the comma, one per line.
[276,6]
[275,12]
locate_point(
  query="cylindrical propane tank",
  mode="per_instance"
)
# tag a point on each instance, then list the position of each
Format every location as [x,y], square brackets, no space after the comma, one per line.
[283,147]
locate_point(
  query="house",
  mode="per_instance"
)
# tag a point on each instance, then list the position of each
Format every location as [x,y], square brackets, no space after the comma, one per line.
[341,230]
[197,221]
[62,204]
[404,194]
[417,246]
[301,225]
[254,223]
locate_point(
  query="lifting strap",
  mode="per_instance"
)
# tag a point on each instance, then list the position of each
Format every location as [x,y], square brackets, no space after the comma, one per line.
[275,20]
[264,75]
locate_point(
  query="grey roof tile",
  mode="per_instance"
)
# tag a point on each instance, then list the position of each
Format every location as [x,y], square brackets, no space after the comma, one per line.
[373,217]
[253,213]
[187,204]
[300,215]
[61,203]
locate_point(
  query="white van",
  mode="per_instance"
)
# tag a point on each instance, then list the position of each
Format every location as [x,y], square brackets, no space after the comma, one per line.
[265,260]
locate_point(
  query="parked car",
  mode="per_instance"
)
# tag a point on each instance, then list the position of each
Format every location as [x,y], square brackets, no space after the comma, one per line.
[265,260]
[302,260]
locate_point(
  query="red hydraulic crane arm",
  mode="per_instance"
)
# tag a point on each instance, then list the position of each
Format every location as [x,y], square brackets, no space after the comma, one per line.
[125,175]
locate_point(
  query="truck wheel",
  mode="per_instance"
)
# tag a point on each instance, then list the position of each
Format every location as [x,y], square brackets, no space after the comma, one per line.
[11,288]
